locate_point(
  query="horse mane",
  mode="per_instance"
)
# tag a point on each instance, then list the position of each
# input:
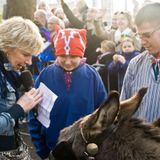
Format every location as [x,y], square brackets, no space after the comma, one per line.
[150,130]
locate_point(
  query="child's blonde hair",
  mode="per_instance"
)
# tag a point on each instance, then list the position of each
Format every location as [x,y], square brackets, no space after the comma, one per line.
[108,46]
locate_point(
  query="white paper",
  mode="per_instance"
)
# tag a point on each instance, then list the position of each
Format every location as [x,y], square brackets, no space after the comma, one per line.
[46,105]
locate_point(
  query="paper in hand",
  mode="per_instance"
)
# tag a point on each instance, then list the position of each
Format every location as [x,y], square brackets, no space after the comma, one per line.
[46,105]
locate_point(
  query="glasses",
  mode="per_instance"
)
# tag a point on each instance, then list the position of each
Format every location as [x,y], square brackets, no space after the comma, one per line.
[148,34]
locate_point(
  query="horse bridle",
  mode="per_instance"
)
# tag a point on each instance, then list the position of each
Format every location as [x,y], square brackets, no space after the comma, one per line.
[92,148]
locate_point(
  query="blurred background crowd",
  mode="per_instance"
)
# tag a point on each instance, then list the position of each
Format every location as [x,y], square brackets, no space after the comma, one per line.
[111,34]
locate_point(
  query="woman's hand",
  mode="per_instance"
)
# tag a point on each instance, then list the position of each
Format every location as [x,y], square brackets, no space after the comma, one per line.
[30,99]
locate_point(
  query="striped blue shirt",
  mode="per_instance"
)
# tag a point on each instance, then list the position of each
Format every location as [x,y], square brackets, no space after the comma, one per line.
[140,74]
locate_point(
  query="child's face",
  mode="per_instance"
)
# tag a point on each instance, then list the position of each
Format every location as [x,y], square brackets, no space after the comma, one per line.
[127,47]
[68,62]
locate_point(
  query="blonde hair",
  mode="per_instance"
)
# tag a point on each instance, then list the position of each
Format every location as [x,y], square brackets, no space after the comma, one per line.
[108,46]
[128,17]
[20,33]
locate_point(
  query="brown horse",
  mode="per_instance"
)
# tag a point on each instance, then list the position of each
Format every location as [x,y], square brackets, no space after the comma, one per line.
[111,133]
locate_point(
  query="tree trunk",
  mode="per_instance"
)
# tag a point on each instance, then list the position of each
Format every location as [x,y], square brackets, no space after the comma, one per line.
[24,8]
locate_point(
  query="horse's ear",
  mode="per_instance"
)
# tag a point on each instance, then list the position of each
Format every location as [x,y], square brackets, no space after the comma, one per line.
[103,116]
[108,112]
[130,106]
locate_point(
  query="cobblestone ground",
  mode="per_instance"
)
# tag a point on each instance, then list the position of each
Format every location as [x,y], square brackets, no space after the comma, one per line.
[27,139]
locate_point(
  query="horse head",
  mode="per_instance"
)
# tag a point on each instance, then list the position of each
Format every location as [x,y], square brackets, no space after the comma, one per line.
[107,133]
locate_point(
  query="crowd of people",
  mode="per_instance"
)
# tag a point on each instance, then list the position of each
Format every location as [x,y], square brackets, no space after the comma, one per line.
[91,19]
[78,57]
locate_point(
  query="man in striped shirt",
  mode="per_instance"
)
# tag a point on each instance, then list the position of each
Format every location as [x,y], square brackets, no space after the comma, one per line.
[143,70]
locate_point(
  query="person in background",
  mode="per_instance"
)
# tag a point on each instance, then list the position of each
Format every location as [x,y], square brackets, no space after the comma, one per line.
[93,42]
[42,5]
[107,48]
[82,8]
[121,60]
[114,25]
[143,70]
[44,58]
[40,19]
[19,40]
[62,17]
[53,24]
[107,51]
[124,28]
[78,86]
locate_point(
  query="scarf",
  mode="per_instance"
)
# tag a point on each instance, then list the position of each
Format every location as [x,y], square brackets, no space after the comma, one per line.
[68,74]
[118,34]
[156,66]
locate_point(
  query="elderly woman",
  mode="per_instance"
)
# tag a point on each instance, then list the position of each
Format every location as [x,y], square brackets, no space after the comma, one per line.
[19,40]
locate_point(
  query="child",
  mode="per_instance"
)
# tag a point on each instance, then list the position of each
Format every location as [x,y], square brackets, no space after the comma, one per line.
[107,51]
[78,86]
[120,61]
